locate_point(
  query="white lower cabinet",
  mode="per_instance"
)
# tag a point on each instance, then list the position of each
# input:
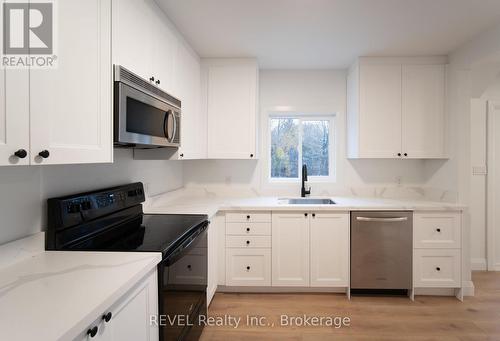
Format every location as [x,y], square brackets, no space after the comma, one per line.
[290,249]
[129,317]
[437,250]
[216,224]
[248,267]
[329,250]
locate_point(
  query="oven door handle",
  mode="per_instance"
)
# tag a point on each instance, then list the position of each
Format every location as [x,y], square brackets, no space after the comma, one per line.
[182,249]
[385,220]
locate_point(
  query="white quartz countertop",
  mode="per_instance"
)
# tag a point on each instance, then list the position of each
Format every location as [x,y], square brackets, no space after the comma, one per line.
[210,205]
[56,295]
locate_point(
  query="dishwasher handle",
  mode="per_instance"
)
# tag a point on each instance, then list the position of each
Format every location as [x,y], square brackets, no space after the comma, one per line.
[385,220]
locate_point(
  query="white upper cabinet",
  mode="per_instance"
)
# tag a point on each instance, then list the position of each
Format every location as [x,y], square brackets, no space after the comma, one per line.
[70,106]
[230,90]
[143,41]
[423,111]
[188,86]
[14,117]
[290,249]
[395,108]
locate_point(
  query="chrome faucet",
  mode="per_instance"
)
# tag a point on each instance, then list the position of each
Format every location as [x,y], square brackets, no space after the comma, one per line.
[303,191]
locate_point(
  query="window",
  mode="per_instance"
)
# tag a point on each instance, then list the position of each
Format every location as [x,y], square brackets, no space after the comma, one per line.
[298,140]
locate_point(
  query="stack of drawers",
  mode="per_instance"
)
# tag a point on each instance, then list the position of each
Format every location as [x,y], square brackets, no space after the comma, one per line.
[248,249]
[437,250]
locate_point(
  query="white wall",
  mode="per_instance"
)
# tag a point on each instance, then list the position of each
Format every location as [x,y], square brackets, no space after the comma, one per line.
[24,190]
[310,91]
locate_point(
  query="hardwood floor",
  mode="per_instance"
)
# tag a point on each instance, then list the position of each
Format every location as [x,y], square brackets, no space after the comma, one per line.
[372,318]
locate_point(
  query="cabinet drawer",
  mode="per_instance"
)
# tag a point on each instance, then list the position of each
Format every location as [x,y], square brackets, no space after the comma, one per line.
[248,217]
[248,242]
[252,229]
[248,267]
[437,268]
[437,230]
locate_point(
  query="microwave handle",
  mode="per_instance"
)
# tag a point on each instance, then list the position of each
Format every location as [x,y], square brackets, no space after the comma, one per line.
[175,127]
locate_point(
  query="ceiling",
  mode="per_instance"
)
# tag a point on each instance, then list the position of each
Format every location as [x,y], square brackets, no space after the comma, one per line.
[305,34]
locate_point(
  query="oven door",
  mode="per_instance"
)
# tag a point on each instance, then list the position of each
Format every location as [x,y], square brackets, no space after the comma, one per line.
[183,289]
[142,120]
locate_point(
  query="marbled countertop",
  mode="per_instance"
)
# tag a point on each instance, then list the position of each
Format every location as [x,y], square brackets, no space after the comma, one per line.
[55,295]
[210,204]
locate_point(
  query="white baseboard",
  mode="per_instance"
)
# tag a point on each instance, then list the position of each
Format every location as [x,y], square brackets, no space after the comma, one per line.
[468,288]
[478,264]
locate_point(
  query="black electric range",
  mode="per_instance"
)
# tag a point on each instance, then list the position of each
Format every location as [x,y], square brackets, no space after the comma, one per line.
[112,219]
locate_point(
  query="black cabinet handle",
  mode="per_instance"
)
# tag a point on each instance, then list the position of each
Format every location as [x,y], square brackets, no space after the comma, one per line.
[21,153]
[248,229]
[157,82]
[44,153]
[438,268]
[92,331]
[251,155]
[248,268]
[438,229]
[151,79]
[314,215]
[305,214]
[406,154]
[248,217]
[399,154]
[182,155]
[248,242]
[107,317]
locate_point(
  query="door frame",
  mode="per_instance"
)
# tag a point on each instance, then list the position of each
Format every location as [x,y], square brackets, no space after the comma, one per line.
[491,179]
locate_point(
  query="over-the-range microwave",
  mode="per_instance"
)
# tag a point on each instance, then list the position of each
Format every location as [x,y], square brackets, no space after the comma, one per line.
[144,115]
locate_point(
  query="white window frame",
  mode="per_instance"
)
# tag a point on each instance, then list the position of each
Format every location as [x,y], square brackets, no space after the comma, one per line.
[332,145]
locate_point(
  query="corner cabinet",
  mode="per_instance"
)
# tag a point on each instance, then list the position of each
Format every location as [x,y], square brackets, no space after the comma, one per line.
[229,89]
[396,108]
[63,115]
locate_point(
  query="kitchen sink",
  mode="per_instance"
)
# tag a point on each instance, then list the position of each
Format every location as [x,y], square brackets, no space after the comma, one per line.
[307,201]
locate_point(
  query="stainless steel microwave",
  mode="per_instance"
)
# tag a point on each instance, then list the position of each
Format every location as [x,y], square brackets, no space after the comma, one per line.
[144,115]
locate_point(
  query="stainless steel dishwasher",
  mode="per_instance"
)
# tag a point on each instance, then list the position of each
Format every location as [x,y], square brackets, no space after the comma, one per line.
[381,250]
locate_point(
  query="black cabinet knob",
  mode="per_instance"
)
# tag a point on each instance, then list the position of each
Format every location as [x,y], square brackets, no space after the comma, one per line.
[399,154]
[314,215]
[248,242]
[406,154]
[21,153]
[251,155]
[438,268]
[189,266]
[157,82]
[248,217]
[438,229]
[248,229]
[151,79]
[92,331]
[107,317]
[44,153]
[182,155]
[248,268]
[305,214]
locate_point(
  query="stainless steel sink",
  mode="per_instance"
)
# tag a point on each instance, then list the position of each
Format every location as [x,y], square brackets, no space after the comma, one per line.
[307,201]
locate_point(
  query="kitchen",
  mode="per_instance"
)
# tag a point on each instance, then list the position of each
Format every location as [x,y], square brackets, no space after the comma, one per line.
[194,121]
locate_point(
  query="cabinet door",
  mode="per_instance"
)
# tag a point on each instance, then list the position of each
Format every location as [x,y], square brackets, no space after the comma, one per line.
[131,315]
[423,111]
[330,250]
[71,109]
[187,88]
[212,257]
[14,116]
[232,108]
[164,50]
[290,249]
[132,35]
[380,111]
